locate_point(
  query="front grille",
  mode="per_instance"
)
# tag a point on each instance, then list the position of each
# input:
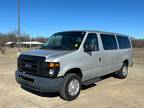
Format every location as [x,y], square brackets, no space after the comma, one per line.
[33,65]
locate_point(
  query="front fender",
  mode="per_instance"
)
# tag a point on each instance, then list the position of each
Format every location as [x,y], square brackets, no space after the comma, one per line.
[66,68]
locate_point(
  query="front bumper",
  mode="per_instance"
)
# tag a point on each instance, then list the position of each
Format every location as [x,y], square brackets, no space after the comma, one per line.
[39,84]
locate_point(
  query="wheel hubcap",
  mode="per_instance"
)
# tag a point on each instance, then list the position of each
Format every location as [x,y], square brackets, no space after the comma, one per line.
[125,70]
[73,87]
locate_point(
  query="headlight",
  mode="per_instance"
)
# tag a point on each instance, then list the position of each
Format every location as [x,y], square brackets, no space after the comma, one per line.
[54,68]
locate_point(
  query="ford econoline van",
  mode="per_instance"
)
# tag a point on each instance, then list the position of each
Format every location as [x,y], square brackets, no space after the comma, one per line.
[71,59]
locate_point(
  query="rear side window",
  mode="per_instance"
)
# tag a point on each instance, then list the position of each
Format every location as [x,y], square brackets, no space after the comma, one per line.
[109,42]
[123,42]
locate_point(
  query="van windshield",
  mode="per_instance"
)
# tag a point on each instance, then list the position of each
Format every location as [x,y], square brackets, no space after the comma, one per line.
[64,41]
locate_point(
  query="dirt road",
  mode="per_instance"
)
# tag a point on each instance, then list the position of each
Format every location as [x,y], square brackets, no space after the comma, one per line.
[108,93]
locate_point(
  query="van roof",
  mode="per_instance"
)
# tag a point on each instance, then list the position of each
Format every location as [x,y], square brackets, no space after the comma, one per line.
[105,32]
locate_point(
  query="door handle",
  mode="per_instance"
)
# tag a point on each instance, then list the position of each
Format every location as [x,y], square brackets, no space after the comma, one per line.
[100,59]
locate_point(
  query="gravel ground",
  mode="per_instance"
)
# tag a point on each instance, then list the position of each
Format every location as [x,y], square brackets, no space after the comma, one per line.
[108,93]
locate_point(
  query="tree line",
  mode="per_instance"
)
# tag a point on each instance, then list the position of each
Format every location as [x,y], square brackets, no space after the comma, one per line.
[12,37]
[138,43]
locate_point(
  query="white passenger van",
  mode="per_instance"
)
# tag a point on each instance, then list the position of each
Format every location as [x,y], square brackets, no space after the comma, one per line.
[71,59]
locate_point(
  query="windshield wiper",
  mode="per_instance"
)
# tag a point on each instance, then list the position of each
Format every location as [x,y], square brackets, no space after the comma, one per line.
[43,47]
[66,48]
[55,47]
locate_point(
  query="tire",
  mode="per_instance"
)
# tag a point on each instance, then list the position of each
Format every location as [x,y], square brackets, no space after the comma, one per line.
[71,82]
[123,72]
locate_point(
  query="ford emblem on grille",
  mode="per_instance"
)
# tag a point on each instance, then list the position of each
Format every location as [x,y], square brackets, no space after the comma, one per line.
[28,65]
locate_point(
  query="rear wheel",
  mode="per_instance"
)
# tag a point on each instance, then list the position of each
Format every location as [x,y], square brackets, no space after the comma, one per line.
[71,87]
[123,72]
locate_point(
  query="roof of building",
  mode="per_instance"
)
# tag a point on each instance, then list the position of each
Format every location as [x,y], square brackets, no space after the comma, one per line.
[32,42]
[8,43]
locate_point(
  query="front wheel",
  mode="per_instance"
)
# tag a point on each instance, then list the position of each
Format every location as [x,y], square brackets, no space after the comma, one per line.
[123,72]
[71,87]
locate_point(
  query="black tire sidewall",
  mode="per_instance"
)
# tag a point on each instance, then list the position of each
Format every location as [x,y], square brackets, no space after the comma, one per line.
[124,65]
[68,80]
[120,73]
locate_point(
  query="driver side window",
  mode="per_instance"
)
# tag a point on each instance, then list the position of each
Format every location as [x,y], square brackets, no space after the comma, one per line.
[91,42]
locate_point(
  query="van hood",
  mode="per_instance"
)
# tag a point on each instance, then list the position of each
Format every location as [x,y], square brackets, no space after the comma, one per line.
[47,53]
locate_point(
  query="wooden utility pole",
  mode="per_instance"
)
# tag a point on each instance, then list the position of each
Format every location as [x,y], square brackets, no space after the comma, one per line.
[19,26]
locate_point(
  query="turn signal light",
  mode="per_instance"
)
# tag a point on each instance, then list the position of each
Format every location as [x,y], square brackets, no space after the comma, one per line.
[53,65]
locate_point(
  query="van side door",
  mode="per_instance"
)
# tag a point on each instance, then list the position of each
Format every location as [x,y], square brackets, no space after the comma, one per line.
[110,53]
[91,57]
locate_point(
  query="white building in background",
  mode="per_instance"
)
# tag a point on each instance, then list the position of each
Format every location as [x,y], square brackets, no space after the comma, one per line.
[10,44]
[31,44]
[23,44]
